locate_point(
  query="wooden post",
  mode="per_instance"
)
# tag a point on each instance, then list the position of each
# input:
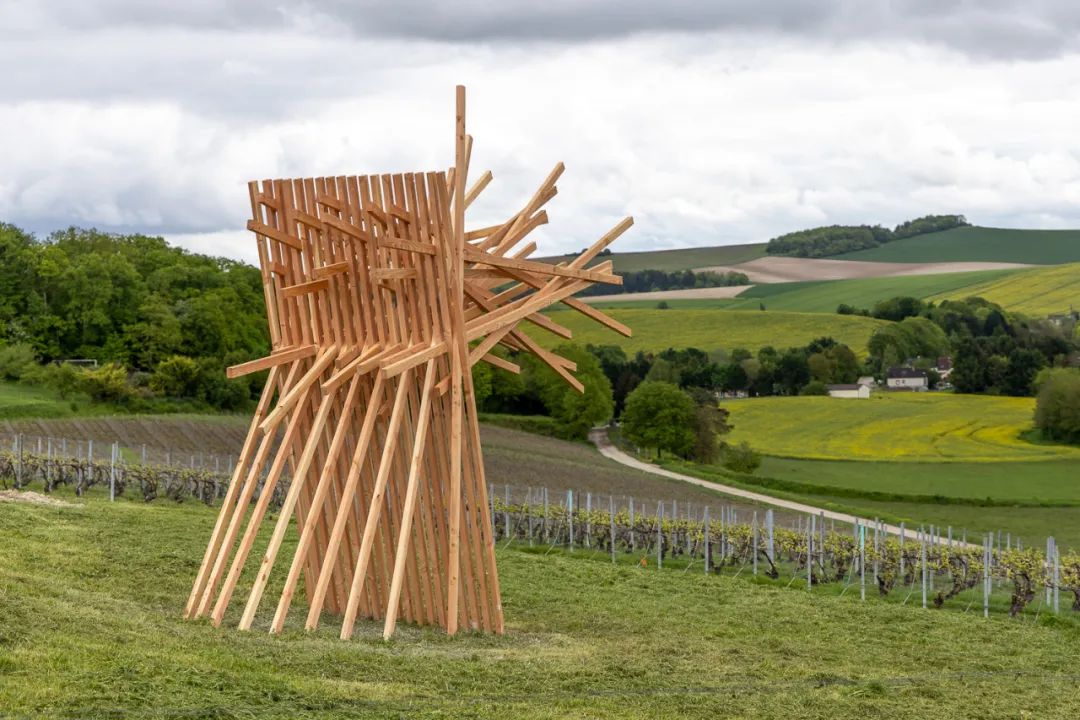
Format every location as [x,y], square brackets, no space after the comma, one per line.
[922,562]
[755,541]
[659,535]
[570,516]
[707,540]
[611,517]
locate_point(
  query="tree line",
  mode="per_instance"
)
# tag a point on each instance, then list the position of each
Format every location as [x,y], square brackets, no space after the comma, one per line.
[159,321]
[637,281]
[838,239]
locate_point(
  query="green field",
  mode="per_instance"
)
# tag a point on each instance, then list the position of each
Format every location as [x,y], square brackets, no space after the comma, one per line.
[21,401]
[681,259]
[1039,247]
[91,628]
[823,296]
[711,329]
[1034,483]
[924,427]
[1040,291]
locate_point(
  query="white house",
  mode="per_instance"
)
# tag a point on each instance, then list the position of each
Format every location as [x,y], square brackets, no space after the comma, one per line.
[856,390]
[905,378]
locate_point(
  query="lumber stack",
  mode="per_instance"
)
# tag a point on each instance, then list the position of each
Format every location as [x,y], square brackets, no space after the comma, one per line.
[379,302]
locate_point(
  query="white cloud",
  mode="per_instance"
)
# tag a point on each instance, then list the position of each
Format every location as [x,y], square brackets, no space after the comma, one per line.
[707,138]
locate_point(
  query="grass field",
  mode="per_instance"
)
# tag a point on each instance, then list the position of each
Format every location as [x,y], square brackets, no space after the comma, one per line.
[1043,482]
[823,296]
[683,259]
[21,401]
[1040,291]
[91,628]
[936,427]
[1040,247]
[711,329]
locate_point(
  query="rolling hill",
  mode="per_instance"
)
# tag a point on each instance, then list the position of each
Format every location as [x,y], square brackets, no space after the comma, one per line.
[1041,291]
[681,259]
[1039,247]
[927,427]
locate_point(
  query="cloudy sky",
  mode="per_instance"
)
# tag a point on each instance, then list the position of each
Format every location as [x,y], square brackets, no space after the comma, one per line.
[711,121]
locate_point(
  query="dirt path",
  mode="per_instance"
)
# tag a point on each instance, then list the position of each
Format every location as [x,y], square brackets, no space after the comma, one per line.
[778,269]
[599,438]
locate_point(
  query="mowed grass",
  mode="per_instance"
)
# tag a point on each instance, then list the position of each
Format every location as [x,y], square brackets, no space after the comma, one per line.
[680,259]
[91,628]
[1039,291]
[1039,247]
[926,427]
[706,329]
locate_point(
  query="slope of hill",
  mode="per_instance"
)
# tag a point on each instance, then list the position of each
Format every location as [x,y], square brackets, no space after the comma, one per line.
[681,259]
[821,296]
[1040,247]
[1040,291]
[928,427]
[711,329]
[92,628]
[825,296]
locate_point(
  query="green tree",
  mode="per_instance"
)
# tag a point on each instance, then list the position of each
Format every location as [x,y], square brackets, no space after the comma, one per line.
[661,417]
[1057,406]
[575,412]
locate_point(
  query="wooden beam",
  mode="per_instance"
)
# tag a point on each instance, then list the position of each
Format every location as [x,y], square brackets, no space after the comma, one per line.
[279,357]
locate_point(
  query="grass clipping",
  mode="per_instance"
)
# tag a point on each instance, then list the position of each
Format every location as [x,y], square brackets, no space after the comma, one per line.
[32,498]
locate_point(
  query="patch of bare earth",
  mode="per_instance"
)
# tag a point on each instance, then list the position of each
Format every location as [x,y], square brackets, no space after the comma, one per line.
[775,269]
[712,293]
[32,498]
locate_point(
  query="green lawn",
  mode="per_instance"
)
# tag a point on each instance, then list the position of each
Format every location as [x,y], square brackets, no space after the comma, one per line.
[1041,247]
[1047,482]
[91,628]
[711,329]
[682,259]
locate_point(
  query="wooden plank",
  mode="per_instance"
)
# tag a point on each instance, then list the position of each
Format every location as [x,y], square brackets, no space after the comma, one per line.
[274,234]
[540,268]
[304,287]
[279,357]
[330,270]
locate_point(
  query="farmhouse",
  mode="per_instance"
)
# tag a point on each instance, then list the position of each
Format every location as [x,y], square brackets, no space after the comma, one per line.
[905,378]
[854,390]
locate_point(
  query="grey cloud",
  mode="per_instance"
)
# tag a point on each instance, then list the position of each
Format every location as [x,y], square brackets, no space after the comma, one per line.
[988,28]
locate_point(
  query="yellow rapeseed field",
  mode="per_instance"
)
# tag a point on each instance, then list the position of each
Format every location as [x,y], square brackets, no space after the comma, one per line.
[937,427]
[1041,291]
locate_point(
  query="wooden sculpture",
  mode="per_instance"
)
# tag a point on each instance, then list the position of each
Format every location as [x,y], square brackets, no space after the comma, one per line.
[379,303]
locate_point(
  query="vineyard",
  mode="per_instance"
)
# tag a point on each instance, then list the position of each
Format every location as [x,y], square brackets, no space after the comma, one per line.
[942,570]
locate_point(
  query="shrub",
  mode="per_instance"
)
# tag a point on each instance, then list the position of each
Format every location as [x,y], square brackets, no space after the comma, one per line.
[177,377]
[814,387]
[107,383]
[741,458]
[16,360]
